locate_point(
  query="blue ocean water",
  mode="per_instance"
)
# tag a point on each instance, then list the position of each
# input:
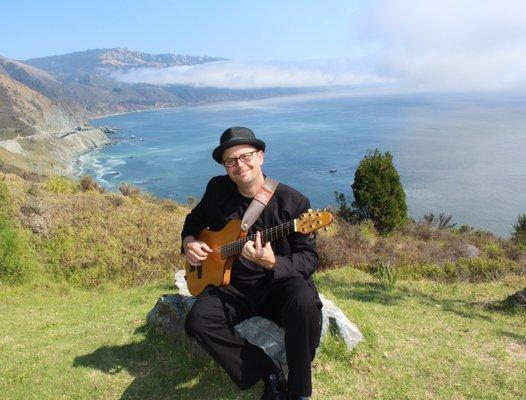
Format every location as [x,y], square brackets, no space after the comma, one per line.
[458,154]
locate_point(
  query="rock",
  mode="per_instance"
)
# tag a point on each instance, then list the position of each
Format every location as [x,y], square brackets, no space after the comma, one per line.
[335,319]
[168,318]
[517,299]
[169,314]
[471,251]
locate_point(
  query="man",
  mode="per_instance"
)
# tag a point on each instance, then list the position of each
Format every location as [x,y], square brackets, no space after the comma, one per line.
[271,280]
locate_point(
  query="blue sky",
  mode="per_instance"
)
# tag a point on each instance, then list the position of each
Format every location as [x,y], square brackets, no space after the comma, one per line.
[241,30]
[403,45]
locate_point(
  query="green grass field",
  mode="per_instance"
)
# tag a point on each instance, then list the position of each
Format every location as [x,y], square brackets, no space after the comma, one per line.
[423,340]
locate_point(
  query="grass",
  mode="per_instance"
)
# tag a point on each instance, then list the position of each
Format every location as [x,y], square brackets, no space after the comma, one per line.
[423,340]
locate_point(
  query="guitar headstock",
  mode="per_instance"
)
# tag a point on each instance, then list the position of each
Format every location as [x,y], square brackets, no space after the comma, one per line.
[311,221]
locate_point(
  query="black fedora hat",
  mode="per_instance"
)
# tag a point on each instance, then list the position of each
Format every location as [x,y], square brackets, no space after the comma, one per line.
[235,136]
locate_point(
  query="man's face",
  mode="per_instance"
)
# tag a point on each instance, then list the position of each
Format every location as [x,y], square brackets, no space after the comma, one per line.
[244,173]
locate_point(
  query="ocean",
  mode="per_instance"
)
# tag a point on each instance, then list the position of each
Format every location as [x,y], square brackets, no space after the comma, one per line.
[462,155]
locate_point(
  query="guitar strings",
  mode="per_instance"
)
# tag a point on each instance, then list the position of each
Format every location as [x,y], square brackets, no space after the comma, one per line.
[236,247]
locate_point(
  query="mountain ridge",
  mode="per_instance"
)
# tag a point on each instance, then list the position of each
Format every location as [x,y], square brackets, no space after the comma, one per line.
[113,58]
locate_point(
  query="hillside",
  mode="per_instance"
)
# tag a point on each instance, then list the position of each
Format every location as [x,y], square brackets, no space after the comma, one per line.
[99,61]
[94,263]
[25,111]
[89,78]
[41,130]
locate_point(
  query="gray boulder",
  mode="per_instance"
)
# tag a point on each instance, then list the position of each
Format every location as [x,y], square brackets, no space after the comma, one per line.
[169,314]
[517,299]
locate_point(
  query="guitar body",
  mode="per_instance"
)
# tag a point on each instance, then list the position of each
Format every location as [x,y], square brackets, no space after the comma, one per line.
[215,270]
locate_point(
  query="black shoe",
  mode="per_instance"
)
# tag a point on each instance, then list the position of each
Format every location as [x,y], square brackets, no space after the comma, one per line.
[274,387]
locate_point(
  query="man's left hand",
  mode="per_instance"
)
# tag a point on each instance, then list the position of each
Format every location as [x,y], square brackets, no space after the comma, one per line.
[254,251]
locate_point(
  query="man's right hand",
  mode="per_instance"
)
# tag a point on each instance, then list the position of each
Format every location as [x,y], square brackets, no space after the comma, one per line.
[195,250]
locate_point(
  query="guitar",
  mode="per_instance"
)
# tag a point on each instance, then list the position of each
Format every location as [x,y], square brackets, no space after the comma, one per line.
[228,243]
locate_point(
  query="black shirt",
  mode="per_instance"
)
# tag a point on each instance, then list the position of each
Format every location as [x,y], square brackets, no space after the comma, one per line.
[295,254]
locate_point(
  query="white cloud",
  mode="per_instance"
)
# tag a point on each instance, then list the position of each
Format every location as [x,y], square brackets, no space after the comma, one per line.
[442,45]
[253,75]
[446,44]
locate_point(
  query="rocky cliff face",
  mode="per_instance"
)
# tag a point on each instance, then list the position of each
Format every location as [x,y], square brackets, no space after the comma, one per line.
[25,111]
[38,133]
[54,153]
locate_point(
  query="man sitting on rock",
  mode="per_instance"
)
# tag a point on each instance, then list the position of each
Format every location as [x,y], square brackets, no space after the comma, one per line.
[271,280]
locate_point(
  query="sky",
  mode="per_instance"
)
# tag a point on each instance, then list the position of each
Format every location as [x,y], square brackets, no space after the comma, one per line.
[234,29]
[446,45]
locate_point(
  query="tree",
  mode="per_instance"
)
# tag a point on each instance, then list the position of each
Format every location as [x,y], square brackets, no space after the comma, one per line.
[378,193]
[519,230]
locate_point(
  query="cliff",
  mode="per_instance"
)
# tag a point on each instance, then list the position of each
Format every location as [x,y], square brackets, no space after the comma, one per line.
[24,112]
[55,153]
[37,133]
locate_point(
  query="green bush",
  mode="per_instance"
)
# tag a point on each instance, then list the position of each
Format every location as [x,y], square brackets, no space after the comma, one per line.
[60,184]
[463,270]
[378,193]
[18,262]
[387,275]
[519,230]
[494,250]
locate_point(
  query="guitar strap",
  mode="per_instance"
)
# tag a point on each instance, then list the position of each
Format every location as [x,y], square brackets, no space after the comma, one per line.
[259,202]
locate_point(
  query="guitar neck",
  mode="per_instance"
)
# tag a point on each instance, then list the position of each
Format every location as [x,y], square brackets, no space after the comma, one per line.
[268,235]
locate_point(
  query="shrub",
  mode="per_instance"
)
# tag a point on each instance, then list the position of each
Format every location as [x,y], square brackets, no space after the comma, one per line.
[60,184]
[33,190]
[31,207]
[344,210]
[87,183]
[18,261]
[387,275]
[116,199]
[129,190]
[494,250]
[473,270]
[378,193]
[519,230]
[440,222]
[191,201]
[464,229]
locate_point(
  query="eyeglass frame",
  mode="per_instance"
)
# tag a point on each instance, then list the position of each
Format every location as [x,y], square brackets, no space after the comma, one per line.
[233,160]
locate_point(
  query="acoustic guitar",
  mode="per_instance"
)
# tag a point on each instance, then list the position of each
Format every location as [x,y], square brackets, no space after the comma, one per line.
[228,243]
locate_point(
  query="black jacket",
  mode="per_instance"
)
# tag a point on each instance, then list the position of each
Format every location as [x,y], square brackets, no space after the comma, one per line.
[295,254]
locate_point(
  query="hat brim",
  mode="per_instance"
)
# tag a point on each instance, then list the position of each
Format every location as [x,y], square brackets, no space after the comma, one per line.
[218,151]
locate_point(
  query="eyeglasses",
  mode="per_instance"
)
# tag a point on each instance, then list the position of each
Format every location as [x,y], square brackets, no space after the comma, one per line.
[245,157]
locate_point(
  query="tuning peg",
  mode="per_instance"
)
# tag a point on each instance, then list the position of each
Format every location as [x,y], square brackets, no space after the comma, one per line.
[309,210]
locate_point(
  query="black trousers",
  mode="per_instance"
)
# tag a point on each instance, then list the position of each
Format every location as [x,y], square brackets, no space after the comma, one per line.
[291,303]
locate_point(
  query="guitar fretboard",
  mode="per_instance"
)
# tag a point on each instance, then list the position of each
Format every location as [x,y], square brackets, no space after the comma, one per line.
[268,235]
